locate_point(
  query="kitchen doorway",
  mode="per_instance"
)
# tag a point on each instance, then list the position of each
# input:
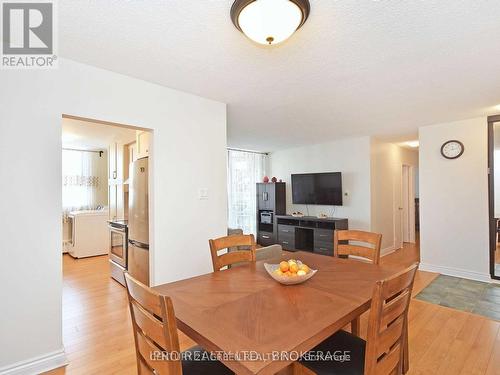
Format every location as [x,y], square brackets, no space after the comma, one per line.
[106,169]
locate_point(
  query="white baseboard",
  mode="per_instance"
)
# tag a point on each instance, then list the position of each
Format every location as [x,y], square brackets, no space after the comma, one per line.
[387,250]
[457,272]
[37,365]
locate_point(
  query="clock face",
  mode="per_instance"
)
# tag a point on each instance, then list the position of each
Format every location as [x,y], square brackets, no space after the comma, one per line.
[452,149]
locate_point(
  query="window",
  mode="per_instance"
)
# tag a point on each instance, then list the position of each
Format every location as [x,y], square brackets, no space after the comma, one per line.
[245,169]
[79,180]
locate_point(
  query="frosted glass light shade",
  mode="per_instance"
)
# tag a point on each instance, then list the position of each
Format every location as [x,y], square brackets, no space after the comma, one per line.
[270,21]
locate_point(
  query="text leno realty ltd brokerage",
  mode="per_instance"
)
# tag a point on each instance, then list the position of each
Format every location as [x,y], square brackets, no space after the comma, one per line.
[28,35]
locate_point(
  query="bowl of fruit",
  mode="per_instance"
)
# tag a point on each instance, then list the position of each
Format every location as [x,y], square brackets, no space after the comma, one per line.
[290,272]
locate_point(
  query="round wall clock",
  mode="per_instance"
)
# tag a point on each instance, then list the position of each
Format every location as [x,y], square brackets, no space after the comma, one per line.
[452,149]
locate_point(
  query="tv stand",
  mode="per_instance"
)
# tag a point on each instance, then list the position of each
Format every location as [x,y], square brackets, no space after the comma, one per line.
[308,233]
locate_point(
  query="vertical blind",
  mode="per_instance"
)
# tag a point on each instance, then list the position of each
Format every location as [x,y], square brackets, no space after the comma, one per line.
[245,169]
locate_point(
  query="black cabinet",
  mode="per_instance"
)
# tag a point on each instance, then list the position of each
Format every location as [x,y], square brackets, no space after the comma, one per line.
[266,238]
[308,233]
[271,201]
[272,197]
[261,197]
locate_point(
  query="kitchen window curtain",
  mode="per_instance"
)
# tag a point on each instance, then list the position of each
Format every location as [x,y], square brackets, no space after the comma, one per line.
[79,180]
[245,169]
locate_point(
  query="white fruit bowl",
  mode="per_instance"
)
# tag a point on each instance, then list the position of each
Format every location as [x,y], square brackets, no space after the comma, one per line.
[288,280]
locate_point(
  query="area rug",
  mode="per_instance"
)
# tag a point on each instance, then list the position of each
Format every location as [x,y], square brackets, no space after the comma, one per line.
[462,294]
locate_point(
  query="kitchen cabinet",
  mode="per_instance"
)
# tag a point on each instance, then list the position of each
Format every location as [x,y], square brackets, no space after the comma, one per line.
[115,162]
[143,143]
[118,155]
[116,202]
[132,152]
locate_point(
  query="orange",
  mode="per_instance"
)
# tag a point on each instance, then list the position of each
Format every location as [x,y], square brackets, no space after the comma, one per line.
[288,273]
[278,272]
[294,267]
[284,266]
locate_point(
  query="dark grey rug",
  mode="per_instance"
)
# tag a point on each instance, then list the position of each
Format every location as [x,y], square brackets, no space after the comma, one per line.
[462,294]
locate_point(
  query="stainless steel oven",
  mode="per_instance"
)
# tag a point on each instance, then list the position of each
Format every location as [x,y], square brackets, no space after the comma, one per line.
[118,242]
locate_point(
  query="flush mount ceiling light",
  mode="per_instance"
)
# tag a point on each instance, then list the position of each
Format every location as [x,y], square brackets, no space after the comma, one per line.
[269,21]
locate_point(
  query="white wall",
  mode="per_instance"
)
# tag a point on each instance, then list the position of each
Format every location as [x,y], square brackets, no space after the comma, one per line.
[387,160]
[454,200]
[371,173]
[349,156]
[189,152]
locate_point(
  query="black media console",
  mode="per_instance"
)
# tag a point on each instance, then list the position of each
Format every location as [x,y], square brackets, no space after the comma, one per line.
[308,233]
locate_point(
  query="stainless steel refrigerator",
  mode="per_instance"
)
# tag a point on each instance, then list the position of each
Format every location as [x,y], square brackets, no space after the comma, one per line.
[138,221]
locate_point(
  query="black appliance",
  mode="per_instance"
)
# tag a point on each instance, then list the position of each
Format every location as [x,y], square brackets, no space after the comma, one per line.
[266,217]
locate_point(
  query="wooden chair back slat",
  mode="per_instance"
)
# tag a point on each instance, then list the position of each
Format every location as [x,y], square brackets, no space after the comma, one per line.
[144,348]
[390,363]
[355,250]
[398,284]
[234,257]
[394,309]
[387,323]
[371,252]
[224,260]
[234,240]
[143,367]
[150,325]
[155,329]
[389,336]
[148,300]
[357,235]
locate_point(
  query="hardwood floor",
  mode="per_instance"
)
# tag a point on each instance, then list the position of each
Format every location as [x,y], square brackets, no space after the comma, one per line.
[97,332]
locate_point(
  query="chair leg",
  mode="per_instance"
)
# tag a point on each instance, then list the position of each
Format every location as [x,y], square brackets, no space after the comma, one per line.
[406,356]
[355,326]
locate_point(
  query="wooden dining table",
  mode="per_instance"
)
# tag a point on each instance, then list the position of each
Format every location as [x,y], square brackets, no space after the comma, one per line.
[246,314]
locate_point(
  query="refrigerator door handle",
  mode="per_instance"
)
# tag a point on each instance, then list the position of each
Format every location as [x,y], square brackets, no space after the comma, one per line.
[139,244]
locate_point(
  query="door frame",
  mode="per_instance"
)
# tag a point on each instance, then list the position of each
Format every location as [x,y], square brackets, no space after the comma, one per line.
[151,168]
[491,194]
[408,187]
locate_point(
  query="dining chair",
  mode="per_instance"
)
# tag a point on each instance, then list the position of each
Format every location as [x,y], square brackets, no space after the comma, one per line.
[385,347]
[268,252]
[235,256]
[156,339]
[234,232]
[359,249]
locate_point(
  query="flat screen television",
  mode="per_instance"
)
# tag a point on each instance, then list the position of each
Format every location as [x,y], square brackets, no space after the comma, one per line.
[317,188]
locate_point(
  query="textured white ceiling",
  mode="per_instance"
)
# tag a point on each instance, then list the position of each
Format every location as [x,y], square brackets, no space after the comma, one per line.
[355,68]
